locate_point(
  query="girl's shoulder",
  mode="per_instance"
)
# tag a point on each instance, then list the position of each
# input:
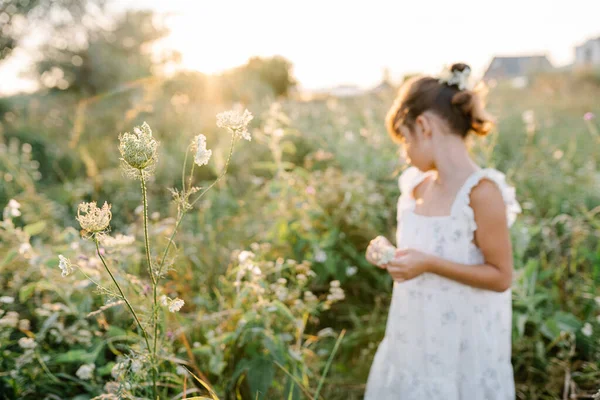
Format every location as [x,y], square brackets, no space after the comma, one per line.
[508,192]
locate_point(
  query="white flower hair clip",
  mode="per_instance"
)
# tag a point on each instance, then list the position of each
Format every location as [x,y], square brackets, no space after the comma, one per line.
[456,77]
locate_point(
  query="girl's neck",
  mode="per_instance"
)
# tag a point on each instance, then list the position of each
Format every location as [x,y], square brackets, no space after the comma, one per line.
[453,164]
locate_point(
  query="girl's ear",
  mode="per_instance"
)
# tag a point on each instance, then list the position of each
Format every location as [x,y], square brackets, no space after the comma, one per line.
[423,124]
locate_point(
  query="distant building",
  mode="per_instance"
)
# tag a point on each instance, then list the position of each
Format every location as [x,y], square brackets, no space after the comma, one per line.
[588,53]
[516,67]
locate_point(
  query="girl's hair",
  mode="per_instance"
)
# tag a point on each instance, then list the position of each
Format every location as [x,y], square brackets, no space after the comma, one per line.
[462,109]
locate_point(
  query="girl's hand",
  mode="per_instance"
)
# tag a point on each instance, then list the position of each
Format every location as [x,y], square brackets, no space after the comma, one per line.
[408,264]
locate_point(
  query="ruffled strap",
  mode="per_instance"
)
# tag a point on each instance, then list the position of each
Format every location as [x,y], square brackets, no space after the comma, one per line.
[463,200]
[407,182]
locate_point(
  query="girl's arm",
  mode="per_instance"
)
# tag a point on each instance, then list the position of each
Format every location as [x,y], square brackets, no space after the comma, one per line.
[492,237]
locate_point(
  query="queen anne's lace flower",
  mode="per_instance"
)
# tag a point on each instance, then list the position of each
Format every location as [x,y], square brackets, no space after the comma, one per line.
[12,209]
[93,219]
[65,265]
[202,154]
[176,305]
[381,250]
[236,121]
[27,343]
[173,304]
[138,151]
[86,372]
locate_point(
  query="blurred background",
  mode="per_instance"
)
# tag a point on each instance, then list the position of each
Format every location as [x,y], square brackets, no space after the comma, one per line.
[317,182]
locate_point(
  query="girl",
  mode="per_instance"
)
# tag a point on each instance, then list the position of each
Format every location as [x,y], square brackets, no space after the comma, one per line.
[448,333]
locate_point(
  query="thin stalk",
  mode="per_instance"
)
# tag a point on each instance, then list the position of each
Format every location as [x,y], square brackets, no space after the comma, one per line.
[122,294]
[154,283]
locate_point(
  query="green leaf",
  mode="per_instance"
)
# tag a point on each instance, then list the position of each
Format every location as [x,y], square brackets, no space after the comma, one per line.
[8,258]
[35,229]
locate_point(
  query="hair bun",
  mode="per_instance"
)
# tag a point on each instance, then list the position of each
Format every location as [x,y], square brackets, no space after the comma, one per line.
[471,104]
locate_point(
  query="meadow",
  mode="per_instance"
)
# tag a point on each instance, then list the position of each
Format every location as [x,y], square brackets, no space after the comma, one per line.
[242,275]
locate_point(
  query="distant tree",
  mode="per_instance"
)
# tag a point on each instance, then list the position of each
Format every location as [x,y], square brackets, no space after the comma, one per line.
[107,57]
[17,17]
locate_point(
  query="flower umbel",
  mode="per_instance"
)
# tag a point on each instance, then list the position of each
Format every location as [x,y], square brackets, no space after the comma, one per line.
[236,121]
[138,151]
[93,219]
[173,304]
[202,154]
[65,265]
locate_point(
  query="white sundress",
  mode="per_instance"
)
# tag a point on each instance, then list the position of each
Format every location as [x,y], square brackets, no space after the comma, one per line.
[445,340]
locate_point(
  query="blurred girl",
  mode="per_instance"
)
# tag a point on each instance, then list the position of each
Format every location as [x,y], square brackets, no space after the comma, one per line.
[448,333]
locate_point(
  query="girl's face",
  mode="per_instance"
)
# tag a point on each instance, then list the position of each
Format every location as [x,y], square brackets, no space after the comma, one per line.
[417,148]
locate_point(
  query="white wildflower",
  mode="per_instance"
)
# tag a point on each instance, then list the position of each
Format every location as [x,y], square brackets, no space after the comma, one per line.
[136,366]
[25,248]
[320,256]
[202,154]
[86,372]
[335,284]
[11,319]
[12,209]
[138,151]
[301,277]
[164,300]
[176,305]
[351,270]
[245,255]
[27,343]
[7,299]
[65,265]
[117,241]
[24,325]
[236,121]
[93,219]
[587,329]
[118,369]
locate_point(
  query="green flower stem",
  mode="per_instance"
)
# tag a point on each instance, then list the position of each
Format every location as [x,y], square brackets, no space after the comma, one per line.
[147,242]
[154,282]
[122,294]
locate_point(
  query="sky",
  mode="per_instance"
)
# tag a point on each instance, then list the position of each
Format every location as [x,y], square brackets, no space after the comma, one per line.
[333,42]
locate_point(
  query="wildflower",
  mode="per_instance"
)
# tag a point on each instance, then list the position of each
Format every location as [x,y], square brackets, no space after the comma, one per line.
[27,343]
[118,240]
[93,219]
[202,154]
[24,325]
[588,116]
[587,329]
[12,209]
[236,121]
[118,369]
[163,300]
[138,151]
[310,190]
[86,372]
[320,256]
[173,304]
[7,299]
[25,248]
[245,255]
[351,270]
[11,319]
[65,265]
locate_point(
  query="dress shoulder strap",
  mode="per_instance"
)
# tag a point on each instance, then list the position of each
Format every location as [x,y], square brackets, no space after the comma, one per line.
[407,182]
[463,199]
